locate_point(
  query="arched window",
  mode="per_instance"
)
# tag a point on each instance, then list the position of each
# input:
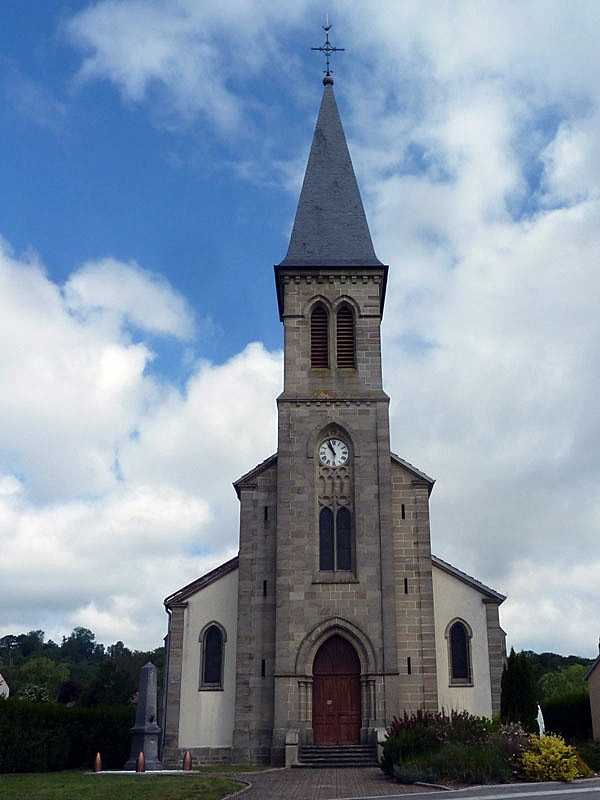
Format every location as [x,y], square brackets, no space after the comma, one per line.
[212,639]
[326,540]
[459,652]
[343,539]
[335,540]
[345,338]
[336,546]
[319,336]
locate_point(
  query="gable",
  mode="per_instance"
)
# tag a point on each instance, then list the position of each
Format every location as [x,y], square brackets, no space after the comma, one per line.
[249,480]
[414,472]
[183,595]
[485,591]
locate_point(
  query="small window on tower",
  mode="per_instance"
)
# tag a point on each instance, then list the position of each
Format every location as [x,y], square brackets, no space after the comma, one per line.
[335,540]
[345,338]
[319,347]
[344,539]
[326,540]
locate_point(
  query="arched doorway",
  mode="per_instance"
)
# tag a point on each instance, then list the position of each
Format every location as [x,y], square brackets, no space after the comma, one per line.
[336,693]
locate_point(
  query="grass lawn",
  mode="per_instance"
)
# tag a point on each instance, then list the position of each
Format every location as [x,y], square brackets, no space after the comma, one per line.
[74,785]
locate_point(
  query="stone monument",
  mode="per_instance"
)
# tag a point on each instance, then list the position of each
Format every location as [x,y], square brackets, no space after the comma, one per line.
[145,732]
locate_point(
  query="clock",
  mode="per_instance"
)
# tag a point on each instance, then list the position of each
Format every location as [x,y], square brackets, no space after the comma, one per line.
[333,453]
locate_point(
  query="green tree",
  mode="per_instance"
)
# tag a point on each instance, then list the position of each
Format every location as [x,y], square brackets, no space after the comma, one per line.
[518,701]
[117,650]
[31,643]
[9,649]
[44,672]
[52,650]
[543,663]
[568,680]
[69,692]
[111,686]
[79,645]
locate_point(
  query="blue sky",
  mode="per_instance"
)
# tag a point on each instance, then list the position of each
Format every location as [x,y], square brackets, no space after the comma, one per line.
[96,176]
[151,156]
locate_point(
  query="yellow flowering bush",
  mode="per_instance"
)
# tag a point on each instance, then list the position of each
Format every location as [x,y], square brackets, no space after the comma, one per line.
[550,759]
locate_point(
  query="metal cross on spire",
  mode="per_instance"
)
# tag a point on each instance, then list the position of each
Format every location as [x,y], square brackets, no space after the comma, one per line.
[328,48]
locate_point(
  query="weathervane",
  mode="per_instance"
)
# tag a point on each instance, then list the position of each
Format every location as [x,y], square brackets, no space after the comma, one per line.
[327,48]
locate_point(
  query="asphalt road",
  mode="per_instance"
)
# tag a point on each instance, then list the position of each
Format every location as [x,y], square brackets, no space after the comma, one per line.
[581,790]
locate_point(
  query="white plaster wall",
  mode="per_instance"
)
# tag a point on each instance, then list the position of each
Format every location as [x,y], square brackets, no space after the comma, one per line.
[206,718]
[452,598]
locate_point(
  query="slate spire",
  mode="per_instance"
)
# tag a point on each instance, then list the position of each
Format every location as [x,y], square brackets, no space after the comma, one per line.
[330,229]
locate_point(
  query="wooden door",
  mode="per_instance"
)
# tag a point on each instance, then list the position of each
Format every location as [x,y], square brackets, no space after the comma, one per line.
[336,693]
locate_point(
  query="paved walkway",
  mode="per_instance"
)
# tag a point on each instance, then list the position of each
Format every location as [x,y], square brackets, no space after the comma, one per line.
[320,784]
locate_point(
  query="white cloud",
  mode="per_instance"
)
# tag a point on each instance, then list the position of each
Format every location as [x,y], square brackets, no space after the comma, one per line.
[473,132]
[137,296]
[572,166]
[104,557]
[186,52]
[76,385]
[558,600]
[114,490]
[491,323]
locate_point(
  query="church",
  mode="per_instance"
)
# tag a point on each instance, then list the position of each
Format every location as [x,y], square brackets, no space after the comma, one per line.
[335,616]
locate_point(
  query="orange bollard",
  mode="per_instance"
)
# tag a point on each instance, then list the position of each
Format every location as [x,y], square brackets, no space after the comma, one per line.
[187,761]
[140,762]
[98,763]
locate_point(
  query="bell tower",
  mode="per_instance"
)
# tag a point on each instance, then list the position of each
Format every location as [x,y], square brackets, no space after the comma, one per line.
[335,536]
[334,528]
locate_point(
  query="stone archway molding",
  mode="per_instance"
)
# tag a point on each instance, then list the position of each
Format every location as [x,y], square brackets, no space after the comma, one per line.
[335,428]
[323,631]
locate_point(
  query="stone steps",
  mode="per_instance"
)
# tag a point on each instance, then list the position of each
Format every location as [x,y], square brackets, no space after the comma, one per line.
[355,755]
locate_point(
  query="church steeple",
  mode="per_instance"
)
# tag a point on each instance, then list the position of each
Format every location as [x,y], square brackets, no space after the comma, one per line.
[330,228]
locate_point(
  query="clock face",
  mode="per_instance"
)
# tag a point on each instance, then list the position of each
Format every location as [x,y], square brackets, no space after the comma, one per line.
[333,453]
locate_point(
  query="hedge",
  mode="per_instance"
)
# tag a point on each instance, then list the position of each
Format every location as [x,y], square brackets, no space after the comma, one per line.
[569,715]
[43,737]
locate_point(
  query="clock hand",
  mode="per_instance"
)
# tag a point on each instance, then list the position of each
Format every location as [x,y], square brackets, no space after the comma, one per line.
[331,447]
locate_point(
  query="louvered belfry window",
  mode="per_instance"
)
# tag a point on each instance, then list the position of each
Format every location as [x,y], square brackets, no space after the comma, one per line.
[345,338]
[319,349]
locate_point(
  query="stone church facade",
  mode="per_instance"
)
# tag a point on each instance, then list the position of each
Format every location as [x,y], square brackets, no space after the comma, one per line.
[335,616]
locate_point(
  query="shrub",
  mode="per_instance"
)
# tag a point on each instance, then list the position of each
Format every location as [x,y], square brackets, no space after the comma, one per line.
[590,753]
[510,741]
[460,763]
[583,770]
[550,759]
[410,737]
[413,773]
[464,728]
[391,756]
[457,748]
[33,693]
